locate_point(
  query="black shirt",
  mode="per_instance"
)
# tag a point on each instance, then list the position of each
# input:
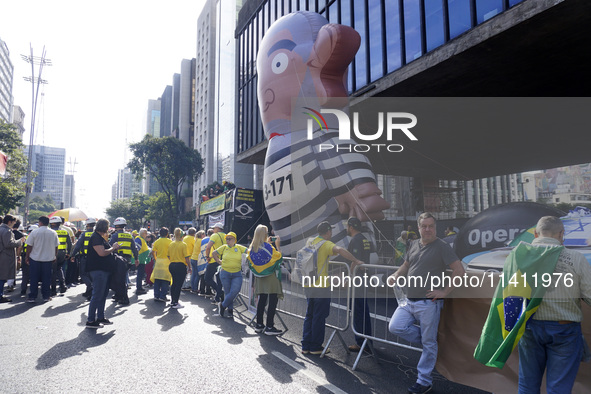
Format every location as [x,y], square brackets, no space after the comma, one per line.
[360,248]
[94,262]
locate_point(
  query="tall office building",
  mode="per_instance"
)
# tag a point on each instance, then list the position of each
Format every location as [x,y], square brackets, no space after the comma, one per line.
[50,165]
[6,75]
[451,48]
[166,112]
[69,191]
[126,185]
[153,128]
[18,119]
[215,116]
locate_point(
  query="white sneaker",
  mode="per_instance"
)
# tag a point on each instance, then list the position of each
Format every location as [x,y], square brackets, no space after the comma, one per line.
[178,305]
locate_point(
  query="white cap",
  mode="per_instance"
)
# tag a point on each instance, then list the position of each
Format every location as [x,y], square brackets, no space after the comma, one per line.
[55,219]
[32,227]
[219,225]
[90,221]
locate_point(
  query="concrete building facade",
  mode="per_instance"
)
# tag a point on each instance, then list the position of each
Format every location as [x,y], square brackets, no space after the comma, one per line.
[6,80]
[18,119]
[50,165]
[215,117]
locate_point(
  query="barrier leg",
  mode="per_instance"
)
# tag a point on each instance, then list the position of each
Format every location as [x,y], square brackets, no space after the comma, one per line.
[285,328]
[338,334]
[366,342]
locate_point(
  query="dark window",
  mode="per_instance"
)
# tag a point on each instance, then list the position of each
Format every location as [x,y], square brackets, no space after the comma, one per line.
[393,36]
[412,30]
[434,24]
[459,17]
[375,40]
[486,9]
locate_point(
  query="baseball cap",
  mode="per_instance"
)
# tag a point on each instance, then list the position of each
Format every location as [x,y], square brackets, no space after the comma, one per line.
[218,225]
[231,234]
[355,223]
[323,227]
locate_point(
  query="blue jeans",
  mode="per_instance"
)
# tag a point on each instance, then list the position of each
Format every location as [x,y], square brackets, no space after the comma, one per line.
[426,313]
[551,346]
[141,273]
[361,319]
[194,275]
[210,271]
[161,288]
[100,289]
[314,323]
[232,282]
[40,271]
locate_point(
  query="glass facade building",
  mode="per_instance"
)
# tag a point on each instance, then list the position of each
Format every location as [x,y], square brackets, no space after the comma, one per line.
[393,34]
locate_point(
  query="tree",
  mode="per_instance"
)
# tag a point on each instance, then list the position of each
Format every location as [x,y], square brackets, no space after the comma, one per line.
[158,209]
[133,209]
[44,205]
[12,189]
[171,163]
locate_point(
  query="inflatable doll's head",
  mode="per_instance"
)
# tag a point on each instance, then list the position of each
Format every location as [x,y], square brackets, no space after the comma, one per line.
[302,55]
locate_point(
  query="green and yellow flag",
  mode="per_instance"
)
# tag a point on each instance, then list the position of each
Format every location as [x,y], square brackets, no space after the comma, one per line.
[517,297]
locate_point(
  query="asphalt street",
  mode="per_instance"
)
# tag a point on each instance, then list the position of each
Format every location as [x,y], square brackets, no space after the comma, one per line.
[45,347]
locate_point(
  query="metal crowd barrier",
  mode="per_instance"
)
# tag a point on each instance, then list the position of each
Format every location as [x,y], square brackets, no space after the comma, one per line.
[381,302]
[295,303]
[380,299]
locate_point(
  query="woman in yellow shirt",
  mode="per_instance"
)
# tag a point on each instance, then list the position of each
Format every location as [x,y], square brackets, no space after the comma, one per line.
[178,253]
[229,256]
[161,274]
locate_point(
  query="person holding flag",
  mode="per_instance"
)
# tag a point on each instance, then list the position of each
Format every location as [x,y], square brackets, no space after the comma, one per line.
[543,317]
[265,263]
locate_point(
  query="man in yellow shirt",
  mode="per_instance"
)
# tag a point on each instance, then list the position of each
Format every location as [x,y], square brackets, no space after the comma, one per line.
[319,296]
[217,239]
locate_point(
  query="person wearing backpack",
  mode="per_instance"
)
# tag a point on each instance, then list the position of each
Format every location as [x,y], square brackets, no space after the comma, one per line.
[318,295]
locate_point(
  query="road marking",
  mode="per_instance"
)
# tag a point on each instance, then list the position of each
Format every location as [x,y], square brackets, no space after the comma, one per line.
[301,369]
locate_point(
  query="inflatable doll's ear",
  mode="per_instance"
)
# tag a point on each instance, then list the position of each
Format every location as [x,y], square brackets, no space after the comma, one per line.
[334,49]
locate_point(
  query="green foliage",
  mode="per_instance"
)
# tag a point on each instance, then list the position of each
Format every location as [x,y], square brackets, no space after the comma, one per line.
[172,164]
[133,209]
[158,209]
[12,189]
[34,215]
[42,204]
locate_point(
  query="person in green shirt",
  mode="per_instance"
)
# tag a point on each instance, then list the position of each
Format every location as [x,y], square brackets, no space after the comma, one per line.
[229,256]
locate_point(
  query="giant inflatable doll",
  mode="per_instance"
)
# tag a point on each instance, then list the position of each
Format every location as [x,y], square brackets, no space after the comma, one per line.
[302,68]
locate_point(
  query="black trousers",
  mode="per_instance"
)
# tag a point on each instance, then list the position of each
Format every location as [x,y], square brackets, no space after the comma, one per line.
[57,275]
[178,272]
[118,281]
[273,299]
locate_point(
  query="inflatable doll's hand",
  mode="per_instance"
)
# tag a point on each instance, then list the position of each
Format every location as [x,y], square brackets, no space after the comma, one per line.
[364,201]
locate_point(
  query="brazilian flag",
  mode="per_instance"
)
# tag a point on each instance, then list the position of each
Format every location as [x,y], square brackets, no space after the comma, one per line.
[265,261]
[517,297]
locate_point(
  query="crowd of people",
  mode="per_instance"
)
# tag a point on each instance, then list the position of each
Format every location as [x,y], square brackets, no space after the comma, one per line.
[102,257]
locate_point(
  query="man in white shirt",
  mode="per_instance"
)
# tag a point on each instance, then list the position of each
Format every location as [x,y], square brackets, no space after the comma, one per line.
[42,247]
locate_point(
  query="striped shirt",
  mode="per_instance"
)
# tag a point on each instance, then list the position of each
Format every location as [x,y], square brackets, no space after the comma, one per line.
[301,183]
[562,300]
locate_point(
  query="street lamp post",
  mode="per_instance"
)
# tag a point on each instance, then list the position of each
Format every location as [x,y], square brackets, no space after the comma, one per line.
[40,61]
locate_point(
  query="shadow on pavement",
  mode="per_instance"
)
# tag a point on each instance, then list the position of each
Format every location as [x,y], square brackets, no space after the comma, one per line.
[74,347]
[16,308]
[171,319]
